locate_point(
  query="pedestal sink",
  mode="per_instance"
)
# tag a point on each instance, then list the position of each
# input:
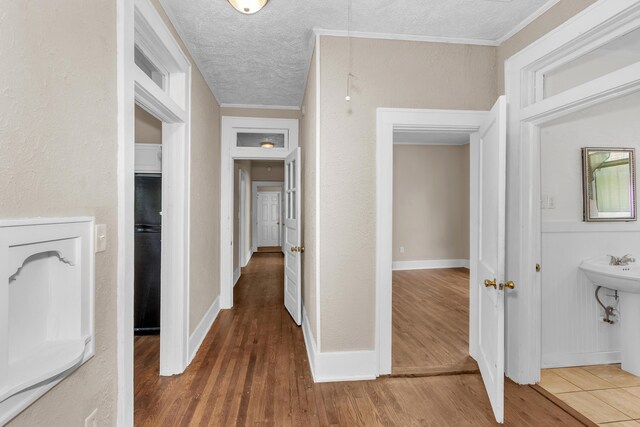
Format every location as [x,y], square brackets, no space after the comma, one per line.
[626,280]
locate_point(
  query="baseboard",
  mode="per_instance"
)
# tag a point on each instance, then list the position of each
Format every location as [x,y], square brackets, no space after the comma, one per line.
[430,263]
[201,331]
[236,276]
[562,360]
[309,342]
[247,258]
[337,366]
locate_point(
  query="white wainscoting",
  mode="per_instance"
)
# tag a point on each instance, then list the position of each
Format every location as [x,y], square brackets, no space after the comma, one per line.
[337,366]
[430,263]
[198,335]
[573,333]
[236,276]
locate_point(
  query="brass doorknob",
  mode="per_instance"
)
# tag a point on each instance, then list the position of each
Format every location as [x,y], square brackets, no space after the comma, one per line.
[493,283]
[301,249]
[509,285]
[294,249]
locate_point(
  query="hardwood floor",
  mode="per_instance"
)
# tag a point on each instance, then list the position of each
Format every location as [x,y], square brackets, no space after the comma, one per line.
[252,369]
[431,322]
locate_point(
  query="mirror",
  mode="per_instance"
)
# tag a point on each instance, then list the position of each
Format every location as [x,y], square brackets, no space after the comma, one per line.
[609,184]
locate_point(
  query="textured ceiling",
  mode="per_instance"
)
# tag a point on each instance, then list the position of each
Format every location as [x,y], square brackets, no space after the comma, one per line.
[262,59]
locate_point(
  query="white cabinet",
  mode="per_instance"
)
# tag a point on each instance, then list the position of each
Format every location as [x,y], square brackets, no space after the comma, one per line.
[148,158]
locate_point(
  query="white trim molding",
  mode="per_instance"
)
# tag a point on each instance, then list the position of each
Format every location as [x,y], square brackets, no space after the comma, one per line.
[403,37]
[528,20]
[337,366]
[388,119]
[197,337]
[261,107]
[139,23]
[528,111]
[564,360]
[427,264]
[247,257]
[236,276]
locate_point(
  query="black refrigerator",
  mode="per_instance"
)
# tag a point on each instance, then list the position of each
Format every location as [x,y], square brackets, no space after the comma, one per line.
[148,222]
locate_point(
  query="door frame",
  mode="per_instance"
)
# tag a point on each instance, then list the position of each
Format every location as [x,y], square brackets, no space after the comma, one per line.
[254,208]
[230,152]
[242,221]
[388,119]
[139,23]
[527,112]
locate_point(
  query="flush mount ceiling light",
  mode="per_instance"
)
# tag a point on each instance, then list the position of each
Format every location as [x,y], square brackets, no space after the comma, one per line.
[248,7]
[266,144]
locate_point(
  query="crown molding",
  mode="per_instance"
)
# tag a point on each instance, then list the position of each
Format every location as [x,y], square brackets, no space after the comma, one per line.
[403,37]
[528,20]
[261,107]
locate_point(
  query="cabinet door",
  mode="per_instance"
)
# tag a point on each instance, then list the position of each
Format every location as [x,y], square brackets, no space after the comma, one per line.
[148,158]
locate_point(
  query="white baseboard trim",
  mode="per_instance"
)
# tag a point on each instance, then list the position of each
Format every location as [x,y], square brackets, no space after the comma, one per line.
[236,276]
[563,360]
[309,342]
[198,335]
[247,258]
[337,366]
[430,263]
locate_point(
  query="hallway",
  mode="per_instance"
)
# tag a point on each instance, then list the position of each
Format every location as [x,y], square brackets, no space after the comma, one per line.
[252,369]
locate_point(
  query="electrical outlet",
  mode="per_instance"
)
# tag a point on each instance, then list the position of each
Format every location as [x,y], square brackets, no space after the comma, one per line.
[92,419]
[401,249]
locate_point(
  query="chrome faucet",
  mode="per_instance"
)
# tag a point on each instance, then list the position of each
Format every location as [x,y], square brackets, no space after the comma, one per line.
[622,261]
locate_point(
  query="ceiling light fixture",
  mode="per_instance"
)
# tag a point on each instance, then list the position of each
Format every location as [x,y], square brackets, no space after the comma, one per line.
[266,144]
[248,7]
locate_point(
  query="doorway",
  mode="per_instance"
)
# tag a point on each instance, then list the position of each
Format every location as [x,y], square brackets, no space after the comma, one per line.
[261,147]
[155,74]
[258,192]
[431,217]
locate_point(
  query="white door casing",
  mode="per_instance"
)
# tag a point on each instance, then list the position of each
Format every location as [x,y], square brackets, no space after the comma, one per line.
[268,221]
[491,254]
[292,240]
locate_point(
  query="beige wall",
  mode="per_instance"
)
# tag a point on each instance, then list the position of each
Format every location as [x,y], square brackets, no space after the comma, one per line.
[308,126]
[558,14]
[148,129]
[59,144]
[388,73]
[262,170]
[261,112]
[244,165]
[204,248]
[58,133]
[430,202]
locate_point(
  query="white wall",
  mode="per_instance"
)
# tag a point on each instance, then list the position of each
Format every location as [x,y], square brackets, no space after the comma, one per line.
[572,333]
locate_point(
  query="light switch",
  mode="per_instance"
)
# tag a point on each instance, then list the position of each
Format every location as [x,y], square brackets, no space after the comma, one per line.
[101,237]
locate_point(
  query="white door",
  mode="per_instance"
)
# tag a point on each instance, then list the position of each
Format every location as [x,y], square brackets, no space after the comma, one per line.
[268,219]
[491,254]
[292,245]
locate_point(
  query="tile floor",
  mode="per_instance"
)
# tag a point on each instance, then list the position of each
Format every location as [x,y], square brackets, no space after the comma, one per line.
[605,394]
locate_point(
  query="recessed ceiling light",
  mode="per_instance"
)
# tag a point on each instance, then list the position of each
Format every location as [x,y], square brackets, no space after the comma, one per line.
[248,6]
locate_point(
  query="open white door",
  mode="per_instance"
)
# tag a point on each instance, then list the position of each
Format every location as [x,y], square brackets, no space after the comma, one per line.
[491,254]
[292,245]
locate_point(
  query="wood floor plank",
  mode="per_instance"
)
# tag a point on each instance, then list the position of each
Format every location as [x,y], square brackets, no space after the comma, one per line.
[252,369]
[430,321]
[583,378]
[614,375]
